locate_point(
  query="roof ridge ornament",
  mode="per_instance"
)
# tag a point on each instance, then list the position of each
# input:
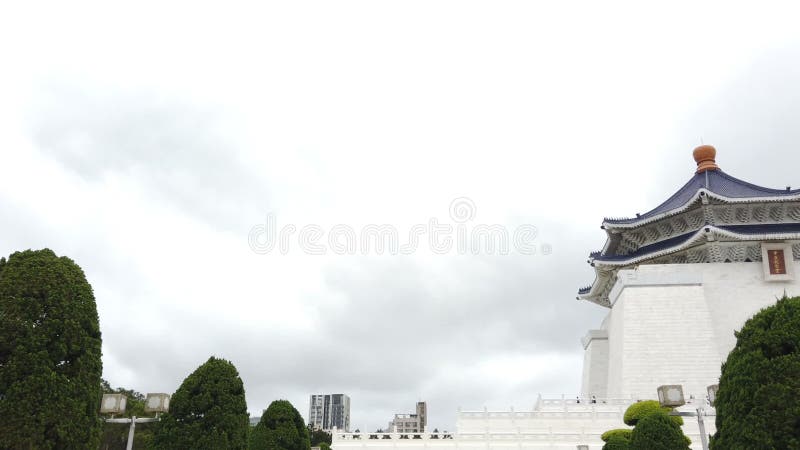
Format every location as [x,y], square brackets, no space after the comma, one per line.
[704,156]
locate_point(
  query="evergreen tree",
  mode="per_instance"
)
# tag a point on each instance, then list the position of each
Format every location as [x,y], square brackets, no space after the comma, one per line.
[50,354]
[280,428]
[207,412]
[758,403]
[320,436]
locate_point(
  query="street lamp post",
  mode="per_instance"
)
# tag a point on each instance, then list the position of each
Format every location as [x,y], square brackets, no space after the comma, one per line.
[116,403]
[671,395]
[133,421]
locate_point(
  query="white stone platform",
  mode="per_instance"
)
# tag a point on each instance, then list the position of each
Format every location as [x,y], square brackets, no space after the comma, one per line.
[554,423]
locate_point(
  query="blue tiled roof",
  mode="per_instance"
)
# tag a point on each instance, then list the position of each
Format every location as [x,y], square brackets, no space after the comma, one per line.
[677,240]
[719,183]
[666,243]
[584,290]
[763,228]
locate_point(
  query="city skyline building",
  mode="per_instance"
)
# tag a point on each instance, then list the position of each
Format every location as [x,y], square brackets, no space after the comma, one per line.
[329,411]
[411,423]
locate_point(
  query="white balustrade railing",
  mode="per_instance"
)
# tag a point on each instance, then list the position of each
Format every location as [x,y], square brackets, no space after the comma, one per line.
[339,436]
[528,435]
[549,405]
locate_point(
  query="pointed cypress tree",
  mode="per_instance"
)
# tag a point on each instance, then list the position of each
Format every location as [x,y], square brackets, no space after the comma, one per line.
[207,412]
[50,354]
[280,428]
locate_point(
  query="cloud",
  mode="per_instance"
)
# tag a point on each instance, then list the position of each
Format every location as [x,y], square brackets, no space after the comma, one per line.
[183,153]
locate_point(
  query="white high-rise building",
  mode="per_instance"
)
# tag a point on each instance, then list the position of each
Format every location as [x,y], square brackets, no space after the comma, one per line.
[329,411]
[677,282]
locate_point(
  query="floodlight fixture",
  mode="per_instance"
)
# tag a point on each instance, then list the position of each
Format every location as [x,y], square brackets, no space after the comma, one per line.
[712,393]
[113,404]
[157,403]
[671,395]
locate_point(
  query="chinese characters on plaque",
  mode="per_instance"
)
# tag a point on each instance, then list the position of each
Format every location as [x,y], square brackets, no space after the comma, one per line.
[777,262]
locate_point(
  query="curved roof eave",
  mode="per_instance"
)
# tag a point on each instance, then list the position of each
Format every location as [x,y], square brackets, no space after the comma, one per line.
[593,294]
[692,240]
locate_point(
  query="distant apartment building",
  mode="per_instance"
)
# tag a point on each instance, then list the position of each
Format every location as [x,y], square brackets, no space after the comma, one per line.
[411,423]
[329,411]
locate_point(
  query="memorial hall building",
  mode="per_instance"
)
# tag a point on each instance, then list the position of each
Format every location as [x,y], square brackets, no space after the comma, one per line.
[676,282]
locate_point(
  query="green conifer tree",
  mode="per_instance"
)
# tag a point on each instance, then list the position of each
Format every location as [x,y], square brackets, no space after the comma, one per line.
[50,354]
[280,428]
[207,412]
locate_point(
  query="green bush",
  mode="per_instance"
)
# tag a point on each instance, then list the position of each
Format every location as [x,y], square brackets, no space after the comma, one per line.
[617,442]
[757,403]
[280,428]
[50,354]
[642,409]
[657,431]
[208,411]
[619,432]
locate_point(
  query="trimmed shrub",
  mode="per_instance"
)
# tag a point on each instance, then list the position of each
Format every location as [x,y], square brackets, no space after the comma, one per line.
[619,432]
[617,442]
[642,409]
[657,431]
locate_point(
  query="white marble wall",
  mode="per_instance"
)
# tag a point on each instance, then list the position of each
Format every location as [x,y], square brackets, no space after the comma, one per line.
[595,364]
[674,324]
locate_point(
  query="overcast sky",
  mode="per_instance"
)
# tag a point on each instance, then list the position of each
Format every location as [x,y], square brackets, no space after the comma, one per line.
[151,143]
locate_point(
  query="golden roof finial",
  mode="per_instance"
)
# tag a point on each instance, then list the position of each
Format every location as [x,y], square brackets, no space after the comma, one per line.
[704,156]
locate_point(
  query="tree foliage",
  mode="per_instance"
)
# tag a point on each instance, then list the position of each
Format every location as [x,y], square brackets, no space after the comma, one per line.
[757,403]
[658,432]
[207,412]
[642,409]
[617,442]
[50,354]
[320,436]
[280,428]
